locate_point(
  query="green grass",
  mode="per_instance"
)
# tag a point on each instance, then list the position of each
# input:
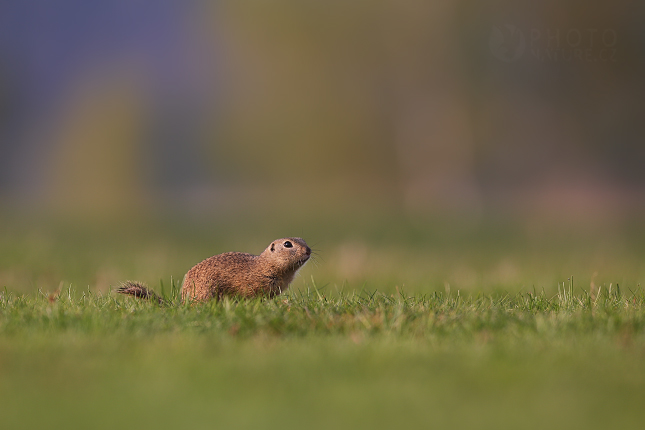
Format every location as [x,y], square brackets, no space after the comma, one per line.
[411,323]
[320,359]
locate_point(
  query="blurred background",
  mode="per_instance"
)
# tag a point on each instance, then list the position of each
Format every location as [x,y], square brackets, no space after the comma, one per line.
[421,145]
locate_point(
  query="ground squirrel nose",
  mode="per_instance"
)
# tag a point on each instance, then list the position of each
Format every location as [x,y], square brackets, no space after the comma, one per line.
[308,251]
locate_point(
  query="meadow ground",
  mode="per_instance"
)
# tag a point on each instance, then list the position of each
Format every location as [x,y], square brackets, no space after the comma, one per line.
[510,345]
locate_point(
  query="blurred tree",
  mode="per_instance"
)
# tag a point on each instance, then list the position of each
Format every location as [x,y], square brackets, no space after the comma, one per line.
[348,93]
[402,104]
[98,168]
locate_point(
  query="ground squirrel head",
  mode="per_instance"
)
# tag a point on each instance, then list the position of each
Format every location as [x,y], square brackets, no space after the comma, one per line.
[290,253]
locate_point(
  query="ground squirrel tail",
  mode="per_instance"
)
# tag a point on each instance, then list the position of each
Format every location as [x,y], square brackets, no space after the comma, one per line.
[139,290]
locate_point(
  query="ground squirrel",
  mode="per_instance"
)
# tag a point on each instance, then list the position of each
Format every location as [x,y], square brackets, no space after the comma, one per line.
[238,274]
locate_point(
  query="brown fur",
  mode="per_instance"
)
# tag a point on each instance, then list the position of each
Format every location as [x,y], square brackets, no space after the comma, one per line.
[239,274]
[139,290]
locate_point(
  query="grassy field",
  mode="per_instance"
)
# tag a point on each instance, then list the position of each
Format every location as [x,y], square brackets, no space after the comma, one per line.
[514,346]
[86,360]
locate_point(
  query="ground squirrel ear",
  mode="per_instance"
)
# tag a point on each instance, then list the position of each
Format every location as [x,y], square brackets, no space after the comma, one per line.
[272,247]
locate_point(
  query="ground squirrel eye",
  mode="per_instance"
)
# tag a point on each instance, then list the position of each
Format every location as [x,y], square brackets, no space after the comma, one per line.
[288,244]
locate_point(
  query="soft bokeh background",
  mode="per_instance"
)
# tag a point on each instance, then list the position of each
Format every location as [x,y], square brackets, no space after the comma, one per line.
[460,146]
[421,145]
